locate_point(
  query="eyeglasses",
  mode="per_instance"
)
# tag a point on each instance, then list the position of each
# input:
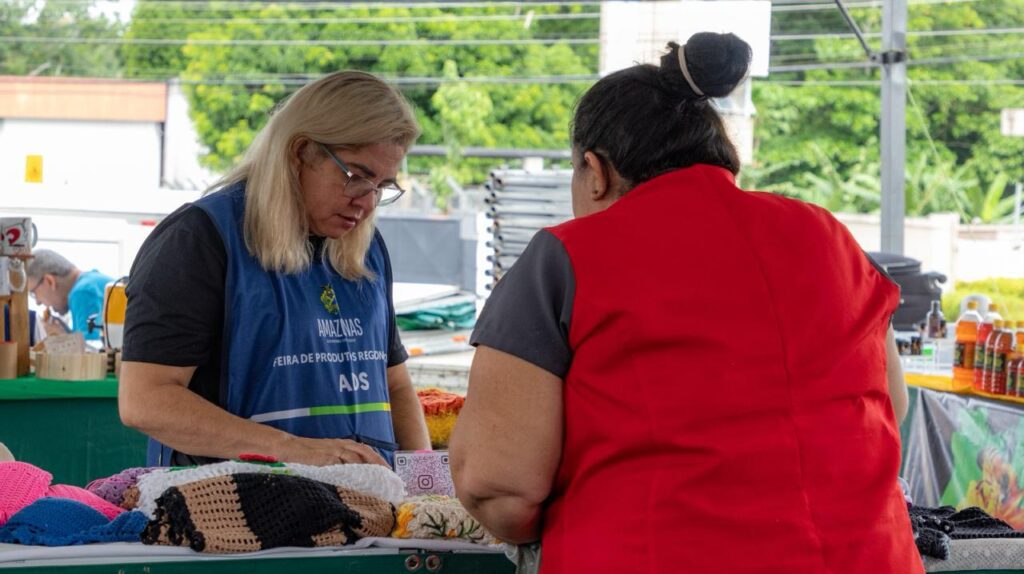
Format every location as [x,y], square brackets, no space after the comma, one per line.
[358,186]
[32,291]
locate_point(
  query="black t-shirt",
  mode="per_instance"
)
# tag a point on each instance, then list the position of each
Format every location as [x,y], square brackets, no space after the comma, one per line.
[175,291]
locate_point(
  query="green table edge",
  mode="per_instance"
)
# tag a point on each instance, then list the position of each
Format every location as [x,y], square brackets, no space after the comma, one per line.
[32,388]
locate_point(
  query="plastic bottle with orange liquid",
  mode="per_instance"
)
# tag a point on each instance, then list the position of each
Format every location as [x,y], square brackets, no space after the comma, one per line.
[1002,346]
[966,343]
[1013,364]
[984,332]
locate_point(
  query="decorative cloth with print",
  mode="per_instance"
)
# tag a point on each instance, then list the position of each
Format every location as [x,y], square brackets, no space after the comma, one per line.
[112,487]
[440,518]
[372,479]
[21,484]
[66,522]
[249,512]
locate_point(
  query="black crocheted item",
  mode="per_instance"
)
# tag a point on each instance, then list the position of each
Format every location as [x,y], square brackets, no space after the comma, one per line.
[935,527]
[173,521]
[247,512]
[931,535]
[290,511]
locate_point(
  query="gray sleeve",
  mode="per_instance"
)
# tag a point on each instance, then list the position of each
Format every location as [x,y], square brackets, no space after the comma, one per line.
[530,310]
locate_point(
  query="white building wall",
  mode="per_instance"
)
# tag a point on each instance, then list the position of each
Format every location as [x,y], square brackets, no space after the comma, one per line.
[941,243]
[181,145]
[90,156]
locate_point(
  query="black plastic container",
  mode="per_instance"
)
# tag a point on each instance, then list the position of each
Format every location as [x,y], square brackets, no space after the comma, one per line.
[917,289]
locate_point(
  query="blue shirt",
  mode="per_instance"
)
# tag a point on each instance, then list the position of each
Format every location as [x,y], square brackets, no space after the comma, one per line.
[85,299]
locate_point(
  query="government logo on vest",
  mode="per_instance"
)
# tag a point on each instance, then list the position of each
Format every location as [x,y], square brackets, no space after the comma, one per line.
[329,300]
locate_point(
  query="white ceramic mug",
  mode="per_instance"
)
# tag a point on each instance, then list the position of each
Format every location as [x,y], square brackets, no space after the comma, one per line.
[18,235]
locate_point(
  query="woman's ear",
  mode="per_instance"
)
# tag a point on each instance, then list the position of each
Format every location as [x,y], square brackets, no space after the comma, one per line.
[296,151]
[600,179]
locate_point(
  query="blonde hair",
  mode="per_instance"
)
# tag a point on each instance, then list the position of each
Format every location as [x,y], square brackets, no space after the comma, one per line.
[343,109]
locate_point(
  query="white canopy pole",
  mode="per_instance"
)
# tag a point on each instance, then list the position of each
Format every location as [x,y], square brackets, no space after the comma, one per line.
[893,60]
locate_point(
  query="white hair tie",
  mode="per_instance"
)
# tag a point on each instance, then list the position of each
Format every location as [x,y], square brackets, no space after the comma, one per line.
[686,71]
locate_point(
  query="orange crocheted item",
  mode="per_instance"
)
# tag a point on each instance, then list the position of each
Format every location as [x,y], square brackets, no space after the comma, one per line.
[438,402]
[441,409]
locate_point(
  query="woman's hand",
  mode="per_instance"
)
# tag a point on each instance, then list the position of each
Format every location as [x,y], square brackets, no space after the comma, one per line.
[328,451]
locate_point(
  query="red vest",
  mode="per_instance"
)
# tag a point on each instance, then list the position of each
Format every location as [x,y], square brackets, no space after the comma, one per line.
[726,410]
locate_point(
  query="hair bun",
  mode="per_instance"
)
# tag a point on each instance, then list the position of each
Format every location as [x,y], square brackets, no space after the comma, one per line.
[717,63]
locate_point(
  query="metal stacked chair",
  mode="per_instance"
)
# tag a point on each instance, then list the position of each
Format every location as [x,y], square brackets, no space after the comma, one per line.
[520,203]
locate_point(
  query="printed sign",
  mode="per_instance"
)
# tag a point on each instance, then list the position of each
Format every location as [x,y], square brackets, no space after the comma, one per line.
[425,472]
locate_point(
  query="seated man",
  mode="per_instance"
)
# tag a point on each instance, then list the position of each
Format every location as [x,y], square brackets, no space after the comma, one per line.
[56,283]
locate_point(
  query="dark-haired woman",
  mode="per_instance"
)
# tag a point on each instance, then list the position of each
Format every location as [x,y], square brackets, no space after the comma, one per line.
[688,376]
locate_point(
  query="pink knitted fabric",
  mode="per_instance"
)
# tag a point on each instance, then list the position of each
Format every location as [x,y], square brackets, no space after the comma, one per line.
[21,484]
[85,497]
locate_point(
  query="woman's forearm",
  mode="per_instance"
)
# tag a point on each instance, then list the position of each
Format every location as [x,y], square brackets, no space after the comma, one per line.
[511,518]
[406,411]
[184,421]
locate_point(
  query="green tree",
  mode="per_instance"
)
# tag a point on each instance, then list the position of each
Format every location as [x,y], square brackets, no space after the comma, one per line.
[462,110]
[232,86]
[52,22]
[955,150]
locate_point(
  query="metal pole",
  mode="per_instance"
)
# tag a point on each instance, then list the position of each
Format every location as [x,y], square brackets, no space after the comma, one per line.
[893,60]
[853,26]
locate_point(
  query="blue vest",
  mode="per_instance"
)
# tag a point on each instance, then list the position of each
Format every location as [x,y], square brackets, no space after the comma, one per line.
[306,352]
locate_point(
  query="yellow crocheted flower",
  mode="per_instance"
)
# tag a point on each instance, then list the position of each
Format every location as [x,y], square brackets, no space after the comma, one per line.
[405,516]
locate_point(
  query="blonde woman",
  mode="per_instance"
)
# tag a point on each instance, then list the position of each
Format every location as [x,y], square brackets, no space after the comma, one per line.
[260,318]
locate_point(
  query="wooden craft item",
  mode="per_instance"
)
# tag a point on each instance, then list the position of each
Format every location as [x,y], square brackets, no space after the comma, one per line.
[71,367]
[8,360]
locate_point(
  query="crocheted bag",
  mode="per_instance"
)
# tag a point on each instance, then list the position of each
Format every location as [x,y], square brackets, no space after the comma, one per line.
[249,512]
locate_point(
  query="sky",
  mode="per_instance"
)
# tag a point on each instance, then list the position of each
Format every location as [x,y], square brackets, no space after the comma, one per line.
[120,9]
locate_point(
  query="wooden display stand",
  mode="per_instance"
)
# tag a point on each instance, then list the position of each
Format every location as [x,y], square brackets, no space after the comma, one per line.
[19,327]
[71,366]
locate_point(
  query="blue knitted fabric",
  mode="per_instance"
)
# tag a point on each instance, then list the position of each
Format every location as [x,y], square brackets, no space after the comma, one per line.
[63,522]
